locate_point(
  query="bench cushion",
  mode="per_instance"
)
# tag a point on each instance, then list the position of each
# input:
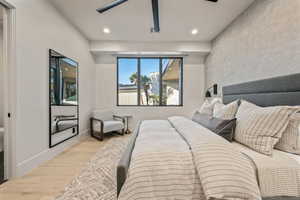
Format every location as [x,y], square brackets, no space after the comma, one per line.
[109,126]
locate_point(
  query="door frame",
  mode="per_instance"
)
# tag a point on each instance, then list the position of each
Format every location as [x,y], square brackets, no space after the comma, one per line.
[10,89]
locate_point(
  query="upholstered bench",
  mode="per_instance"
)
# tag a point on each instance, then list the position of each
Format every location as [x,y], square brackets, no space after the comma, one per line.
[104,121]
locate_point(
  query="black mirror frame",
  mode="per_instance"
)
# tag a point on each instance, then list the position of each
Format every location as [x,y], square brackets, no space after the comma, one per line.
[50,104]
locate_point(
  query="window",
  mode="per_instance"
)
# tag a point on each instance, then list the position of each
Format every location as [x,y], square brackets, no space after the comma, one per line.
[127,79]
[150,81]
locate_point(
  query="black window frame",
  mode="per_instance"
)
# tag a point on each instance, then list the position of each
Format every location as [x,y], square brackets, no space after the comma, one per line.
[160,82]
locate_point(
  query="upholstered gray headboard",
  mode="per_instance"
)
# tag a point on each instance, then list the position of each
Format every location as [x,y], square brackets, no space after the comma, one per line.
[284,90]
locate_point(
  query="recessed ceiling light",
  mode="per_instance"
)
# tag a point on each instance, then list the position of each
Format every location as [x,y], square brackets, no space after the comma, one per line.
[194,31]
[106,30]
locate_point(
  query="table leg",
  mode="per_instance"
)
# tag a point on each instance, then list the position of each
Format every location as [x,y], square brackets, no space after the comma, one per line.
[127,128]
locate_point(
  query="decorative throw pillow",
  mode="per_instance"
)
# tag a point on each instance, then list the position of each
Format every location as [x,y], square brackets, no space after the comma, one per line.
[208,107]
[261,128]
[225,111]
[224,128]
[290,140]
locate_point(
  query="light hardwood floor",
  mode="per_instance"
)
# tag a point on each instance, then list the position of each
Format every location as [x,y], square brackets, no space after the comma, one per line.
[49,180]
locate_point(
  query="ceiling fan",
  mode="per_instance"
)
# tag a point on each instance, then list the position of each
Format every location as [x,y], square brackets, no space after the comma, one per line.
[155,11]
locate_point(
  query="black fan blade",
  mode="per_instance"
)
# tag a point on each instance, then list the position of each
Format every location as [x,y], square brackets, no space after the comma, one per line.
[111,5]
[155,10]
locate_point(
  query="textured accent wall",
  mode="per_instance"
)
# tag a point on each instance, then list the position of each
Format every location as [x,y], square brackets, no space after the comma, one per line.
[263,42]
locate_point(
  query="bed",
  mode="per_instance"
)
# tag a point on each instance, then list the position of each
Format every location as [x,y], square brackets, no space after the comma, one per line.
[283,90]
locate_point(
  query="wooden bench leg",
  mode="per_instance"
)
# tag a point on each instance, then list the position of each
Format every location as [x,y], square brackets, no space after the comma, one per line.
[94,134]
[101,136]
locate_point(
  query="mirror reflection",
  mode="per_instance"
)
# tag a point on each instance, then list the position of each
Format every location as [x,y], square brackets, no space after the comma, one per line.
[63,117]
[63,80]
[63,85]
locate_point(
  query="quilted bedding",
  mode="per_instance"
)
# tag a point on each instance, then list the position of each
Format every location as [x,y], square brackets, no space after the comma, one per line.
[178,159]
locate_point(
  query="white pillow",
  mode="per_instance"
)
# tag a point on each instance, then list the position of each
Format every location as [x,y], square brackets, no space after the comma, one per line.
[260,128]
[226,112]
[290,140]
[208,107]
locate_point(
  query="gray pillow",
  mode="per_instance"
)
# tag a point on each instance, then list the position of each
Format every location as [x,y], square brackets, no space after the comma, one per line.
[222,127]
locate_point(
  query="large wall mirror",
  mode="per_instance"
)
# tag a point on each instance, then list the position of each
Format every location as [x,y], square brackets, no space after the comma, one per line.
[63,98]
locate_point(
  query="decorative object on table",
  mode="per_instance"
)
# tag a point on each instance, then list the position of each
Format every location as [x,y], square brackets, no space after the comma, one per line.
[208,91]
[104,121]
[63,98]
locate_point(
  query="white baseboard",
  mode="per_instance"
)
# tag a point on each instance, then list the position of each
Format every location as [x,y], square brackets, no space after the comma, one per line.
[33,162]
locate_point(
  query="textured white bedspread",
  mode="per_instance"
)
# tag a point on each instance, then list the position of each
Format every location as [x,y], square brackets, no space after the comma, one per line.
[161,166]
[278,175]
[290,155]
[164,166]
[224,172]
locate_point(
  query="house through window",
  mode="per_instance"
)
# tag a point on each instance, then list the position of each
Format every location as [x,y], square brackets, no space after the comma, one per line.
[150,81]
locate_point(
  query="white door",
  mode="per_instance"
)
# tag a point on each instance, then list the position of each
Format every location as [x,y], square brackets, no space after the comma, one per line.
[7,89]
[2,96]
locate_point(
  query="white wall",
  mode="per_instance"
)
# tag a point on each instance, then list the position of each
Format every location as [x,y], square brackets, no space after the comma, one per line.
[39,28]
[263,42]
[193,93]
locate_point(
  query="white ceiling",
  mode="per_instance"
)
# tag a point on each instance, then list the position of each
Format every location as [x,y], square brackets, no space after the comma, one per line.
[132,21]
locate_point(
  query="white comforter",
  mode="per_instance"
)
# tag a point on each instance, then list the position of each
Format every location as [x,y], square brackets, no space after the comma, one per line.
[195,164]
[278,175]
[161,165]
